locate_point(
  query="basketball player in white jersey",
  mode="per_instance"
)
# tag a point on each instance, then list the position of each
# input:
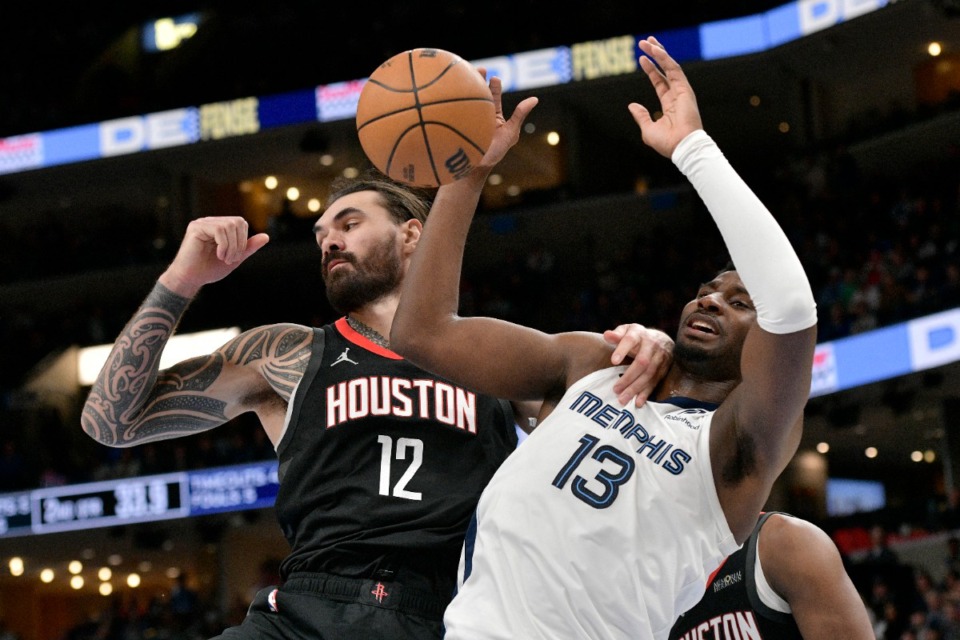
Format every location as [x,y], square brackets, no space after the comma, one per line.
[608,521]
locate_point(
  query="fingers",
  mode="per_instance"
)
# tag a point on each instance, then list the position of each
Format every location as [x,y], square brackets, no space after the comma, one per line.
[641,378]
[254,244]
[651,353]
[522,110]
[496,89]
[668,67]
[624,345]
[640,114]
[657,77]
[229,235]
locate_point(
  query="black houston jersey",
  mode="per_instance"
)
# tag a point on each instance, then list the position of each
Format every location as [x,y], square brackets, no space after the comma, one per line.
[731,608]
[382,463]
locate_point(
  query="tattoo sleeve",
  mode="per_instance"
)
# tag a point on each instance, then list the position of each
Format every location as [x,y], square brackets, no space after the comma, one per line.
[116,406]
[132,402]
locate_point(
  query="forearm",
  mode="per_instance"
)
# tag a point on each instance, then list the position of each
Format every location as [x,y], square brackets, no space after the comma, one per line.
[127,378]
[761,252]
[431,287]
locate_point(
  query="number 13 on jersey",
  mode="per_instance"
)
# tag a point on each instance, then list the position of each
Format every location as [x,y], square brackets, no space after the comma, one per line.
[617,469]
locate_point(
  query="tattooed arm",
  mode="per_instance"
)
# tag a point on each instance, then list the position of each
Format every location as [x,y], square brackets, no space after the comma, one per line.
[132,402]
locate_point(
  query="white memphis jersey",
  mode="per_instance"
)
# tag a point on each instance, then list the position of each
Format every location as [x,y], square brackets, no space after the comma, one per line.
[604,524]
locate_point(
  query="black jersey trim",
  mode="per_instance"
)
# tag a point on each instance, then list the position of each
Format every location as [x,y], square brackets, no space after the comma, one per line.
[750,570]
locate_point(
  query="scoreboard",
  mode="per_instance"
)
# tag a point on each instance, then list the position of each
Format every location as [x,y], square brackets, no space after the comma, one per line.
[141,499]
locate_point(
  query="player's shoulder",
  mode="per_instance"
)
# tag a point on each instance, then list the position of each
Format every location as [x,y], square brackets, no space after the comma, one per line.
[793,537]
[270,340]
[285,330]
[583,352]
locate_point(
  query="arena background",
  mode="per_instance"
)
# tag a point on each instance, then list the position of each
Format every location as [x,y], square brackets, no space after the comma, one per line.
[850,133]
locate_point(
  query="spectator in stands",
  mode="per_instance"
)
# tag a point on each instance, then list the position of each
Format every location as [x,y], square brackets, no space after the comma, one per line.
[880,554]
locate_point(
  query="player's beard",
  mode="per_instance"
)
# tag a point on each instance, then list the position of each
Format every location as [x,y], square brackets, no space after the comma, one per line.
[369,280]
[707,364]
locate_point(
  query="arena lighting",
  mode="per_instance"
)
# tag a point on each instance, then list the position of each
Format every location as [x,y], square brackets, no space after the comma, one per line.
[188,345]
[169,33]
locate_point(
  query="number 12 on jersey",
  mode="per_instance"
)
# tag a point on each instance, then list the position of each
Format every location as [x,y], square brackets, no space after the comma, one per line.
[388,454]
[610,477]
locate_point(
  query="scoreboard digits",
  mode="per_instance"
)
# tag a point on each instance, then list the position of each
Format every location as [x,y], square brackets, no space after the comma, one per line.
[143,499]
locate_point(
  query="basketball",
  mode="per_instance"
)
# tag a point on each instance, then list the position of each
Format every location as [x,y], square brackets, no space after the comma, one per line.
[425,117]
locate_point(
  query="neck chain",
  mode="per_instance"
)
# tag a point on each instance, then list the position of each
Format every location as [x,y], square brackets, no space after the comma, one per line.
[370,334]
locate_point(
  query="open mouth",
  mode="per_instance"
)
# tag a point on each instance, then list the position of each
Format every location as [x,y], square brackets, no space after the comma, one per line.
[703,325]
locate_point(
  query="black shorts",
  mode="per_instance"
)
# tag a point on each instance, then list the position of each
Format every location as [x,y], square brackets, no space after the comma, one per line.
[324,607]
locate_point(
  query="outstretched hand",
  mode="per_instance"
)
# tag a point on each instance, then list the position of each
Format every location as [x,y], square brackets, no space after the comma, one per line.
[681,116]
[507,133]
[211,249]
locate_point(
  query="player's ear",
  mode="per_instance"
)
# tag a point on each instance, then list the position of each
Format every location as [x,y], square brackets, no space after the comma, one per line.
[410,232]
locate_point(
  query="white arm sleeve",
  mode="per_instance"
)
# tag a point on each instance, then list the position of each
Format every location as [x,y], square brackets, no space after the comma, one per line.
[761,252]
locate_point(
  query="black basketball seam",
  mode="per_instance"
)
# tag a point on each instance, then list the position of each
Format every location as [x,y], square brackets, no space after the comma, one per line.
[396,143]
[416,102]
[425,104]
[457,131]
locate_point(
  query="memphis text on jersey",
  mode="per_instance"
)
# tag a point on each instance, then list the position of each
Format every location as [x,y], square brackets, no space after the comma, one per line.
[664,453]
[403,398]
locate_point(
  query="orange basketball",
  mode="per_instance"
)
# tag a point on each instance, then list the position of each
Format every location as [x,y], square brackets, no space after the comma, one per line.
[425,117]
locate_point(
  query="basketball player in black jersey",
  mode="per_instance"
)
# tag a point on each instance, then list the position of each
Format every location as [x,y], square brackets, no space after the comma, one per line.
[381,463]
[787,581]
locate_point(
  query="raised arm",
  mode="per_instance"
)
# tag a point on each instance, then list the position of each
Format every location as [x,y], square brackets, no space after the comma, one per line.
[132,402]
[758,427]
[490,355]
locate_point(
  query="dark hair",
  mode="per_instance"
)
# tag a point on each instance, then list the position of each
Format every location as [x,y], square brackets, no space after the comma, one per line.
[729,266]
[403,201]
